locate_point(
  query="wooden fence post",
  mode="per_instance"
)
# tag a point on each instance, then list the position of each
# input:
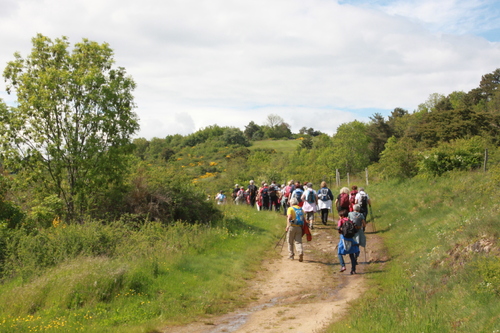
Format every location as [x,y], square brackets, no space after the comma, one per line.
[485,159]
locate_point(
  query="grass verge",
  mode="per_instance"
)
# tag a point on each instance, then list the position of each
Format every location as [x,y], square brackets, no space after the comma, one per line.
[155,276]
[444,270]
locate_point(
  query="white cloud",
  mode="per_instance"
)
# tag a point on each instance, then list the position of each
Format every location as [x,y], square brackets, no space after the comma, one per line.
[230,62]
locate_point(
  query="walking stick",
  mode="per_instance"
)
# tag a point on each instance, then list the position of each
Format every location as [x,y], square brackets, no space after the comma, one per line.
[283,244]
[280,241]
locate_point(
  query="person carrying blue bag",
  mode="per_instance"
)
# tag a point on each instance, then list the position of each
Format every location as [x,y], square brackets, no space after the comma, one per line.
[347,242]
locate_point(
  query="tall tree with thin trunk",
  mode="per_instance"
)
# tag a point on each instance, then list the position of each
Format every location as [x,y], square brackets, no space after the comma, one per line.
[73,122]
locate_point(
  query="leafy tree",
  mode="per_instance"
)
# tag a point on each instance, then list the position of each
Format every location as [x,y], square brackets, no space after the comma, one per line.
[489,84]
[141,146]
[280,131]
[74,120]
[276,128]
[397,122]
[431,102]
[155,149]
[323,141]
[399,159]
[251,129]
[379,132]
[234,136]
[446,123]
[307,143]
[203,135]
[351,147]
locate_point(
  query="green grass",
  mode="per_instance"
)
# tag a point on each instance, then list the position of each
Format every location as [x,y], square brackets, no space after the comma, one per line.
[284,146]
[444,272]
[156,276]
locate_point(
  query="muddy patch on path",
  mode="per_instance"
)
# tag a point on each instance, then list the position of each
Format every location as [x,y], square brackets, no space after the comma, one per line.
[293,296]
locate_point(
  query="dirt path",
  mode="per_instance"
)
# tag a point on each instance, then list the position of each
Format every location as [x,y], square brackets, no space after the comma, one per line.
[297,297]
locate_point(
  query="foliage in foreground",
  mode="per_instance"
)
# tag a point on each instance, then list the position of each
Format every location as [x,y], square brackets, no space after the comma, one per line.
[134,280]
[444,273]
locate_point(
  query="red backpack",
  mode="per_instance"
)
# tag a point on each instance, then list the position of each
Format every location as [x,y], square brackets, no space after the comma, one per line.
[344,200]
[352,198]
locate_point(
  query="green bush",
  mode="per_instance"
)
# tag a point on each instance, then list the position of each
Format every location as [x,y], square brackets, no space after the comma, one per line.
[463,154]
[10,215]
[163,194]
[29,252]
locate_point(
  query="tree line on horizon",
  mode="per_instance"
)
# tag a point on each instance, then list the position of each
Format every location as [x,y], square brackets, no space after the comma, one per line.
[444,133]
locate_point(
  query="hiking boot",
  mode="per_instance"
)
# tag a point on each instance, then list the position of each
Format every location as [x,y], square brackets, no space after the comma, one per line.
[290,257]
[301,257]
[342,269]
[353,272]
[324,223]
[311,226]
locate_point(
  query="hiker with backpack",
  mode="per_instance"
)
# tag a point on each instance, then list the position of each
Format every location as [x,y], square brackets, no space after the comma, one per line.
[240,196]
[352,197]
[310,199]
[273,196]
[258,199]
[295,222]
[297,193]
[342,201]
[252,192]
[347,243]
[285,198]
[235,192]
[359,221]
[220,198]
[325,199]
[363,200]
[263,197]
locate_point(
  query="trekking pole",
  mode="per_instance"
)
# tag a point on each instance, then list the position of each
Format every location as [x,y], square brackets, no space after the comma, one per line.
[283,244]
[280,241]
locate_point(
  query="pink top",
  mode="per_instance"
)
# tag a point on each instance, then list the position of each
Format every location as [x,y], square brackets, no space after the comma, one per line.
[341,221]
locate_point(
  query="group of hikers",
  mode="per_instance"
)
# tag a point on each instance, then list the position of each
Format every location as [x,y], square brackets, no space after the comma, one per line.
[300,202]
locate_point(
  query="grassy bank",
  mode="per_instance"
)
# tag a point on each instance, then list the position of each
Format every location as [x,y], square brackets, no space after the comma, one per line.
[285,146]
[142,279]
[443,274]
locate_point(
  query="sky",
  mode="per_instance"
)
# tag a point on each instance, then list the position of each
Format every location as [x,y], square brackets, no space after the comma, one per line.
[315,63]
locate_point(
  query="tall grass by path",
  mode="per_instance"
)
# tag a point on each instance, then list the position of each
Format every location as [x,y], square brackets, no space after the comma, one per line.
[151,277]
[444,270]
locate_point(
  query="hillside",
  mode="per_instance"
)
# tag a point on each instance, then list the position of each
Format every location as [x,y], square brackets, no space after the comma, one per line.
[440,270]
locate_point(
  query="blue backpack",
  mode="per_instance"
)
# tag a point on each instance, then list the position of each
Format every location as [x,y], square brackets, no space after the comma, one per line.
[323,194]
[299,216]
[298,194]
